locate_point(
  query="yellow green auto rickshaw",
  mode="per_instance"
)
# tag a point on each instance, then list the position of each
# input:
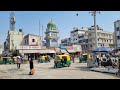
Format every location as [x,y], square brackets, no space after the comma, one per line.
[44,59]
[62,61]
[84,57]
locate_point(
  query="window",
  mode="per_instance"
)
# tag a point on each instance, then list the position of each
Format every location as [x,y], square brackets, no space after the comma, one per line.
[90,34]
[80,41]
[118,37]
[117,29]
[33,40]
[102,40]
[107,40]
[98,39]
[76,39]
[90,45]
[25,41]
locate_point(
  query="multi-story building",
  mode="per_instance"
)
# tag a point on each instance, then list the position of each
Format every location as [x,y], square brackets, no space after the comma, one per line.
[14,38]
[104,38]
[117,34]
[31,44]
[32,40]
[66,42]
[79,36]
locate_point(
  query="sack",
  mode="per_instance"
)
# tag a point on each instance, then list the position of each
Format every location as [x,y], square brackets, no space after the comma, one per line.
[33,71]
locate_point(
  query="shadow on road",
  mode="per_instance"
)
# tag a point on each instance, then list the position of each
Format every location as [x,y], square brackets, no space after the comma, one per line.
[83,68]
[51,68]
[75,68]
[24,74]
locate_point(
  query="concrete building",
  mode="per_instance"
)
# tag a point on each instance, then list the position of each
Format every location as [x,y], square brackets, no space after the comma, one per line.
[1,49]
[104,38]
[51,35]
[79,36]
[66,42]
[117,34]
[14,38]
[86,38]
[31,44]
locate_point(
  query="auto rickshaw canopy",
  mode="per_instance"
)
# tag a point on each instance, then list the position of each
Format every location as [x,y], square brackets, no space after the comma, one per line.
[43,57]
[67,57]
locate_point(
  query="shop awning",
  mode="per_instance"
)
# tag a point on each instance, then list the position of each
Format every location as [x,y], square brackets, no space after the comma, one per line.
[44,51]
[52,51]
[63,51]
[71,50]
[29,51]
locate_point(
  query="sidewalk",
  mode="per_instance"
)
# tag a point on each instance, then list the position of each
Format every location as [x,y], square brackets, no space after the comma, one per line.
[105,70]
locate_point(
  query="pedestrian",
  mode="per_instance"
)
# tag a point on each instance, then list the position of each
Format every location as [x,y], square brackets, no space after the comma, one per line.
[73,59]
[97,58]
[31,66]
[39,58]
[18,62]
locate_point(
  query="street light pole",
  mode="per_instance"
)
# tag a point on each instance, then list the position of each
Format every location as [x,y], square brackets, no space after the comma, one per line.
[93,13]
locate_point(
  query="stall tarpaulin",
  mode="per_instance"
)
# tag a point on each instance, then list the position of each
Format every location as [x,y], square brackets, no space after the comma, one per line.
[102,49]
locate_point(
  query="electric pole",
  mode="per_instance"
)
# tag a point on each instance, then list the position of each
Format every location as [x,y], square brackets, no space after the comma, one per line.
[93,13]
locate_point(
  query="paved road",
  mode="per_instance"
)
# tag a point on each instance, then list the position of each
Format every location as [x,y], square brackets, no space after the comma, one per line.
[46,71]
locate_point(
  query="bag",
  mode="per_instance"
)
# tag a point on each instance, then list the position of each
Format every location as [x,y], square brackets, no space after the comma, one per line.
[33,71]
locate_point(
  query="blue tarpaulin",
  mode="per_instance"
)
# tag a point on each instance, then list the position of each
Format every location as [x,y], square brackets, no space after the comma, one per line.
[102,49]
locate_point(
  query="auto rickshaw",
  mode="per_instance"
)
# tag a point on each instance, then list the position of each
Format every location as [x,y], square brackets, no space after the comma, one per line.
[62,61]
[5,60]
[84,57]
[44,59]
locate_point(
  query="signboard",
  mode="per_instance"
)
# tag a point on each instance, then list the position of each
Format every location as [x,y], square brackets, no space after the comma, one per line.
[28,47]
[77,47]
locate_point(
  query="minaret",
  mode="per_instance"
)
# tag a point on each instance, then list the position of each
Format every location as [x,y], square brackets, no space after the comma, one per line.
[51,35]
[12,21]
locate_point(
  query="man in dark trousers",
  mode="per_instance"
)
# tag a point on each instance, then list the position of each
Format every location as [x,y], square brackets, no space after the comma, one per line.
[31,64]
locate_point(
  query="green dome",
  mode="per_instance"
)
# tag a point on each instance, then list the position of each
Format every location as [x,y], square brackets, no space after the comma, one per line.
[51,26]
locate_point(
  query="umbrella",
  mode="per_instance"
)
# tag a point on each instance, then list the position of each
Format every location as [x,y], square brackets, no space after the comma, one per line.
[102,49]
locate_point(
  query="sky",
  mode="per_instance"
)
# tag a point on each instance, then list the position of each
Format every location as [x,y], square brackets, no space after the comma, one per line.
[65,21]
